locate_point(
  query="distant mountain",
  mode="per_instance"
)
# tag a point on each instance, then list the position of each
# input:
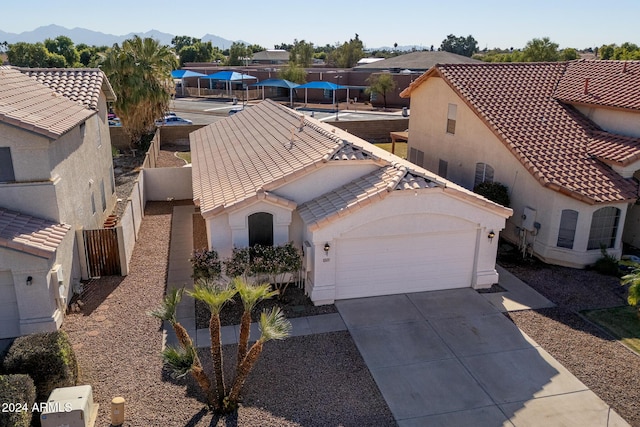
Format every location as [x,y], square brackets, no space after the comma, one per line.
[96,38]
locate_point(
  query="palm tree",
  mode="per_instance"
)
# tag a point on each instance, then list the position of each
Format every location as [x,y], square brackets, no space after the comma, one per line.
[273,326]
[184,360]
[215,297]
[140,74]
[250,296]
[633,279]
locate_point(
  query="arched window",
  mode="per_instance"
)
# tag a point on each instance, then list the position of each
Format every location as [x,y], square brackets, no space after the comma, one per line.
[261,229]
[604,227]
[484,173]
[567,231]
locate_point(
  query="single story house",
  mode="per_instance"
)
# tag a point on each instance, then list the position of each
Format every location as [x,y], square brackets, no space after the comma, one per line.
[56,178]
[563,137]
[368,222]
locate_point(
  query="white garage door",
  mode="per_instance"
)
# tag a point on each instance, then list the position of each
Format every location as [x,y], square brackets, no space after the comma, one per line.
[9,318]
[398,264]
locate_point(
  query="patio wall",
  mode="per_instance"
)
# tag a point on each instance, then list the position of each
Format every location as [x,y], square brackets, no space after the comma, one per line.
[372,130]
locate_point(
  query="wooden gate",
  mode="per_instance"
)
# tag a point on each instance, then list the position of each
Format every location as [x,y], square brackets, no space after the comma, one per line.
[103,257]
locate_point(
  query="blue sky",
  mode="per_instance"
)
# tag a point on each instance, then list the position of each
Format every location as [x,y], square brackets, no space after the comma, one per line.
[493,23]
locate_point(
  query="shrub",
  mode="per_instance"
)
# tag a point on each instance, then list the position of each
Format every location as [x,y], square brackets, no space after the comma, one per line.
[494,191]
[19,390]
[46,357]
[608,264]
[205,264]
[238,264]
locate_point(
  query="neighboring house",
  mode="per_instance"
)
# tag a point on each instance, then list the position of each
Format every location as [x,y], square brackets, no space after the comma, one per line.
[414,61]
[369,223]
[563,137]
[270,56]
[56,177]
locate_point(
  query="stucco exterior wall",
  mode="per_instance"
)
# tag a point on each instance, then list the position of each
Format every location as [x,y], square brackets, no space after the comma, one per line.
[473,142]
[613,120]
[164,183]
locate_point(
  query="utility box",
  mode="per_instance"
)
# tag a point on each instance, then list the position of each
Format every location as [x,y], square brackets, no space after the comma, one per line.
[70,407]
[529,219]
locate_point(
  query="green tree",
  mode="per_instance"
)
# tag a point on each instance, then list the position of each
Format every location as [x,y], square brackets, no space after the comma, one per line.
[23,54]
[381,84]
[253,48]
[349,53]
[237,52]
[55,60]
[140,74]
[465,46]
[293,73]
[606,51]
[179,42]
[301,54]
[569,54]
[197,52]
[541,50]
[63,45]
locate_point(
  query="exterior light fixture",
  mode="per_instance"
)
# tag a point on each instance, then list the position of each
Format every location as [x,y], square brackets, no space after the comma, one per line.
[327,246]
[491,235]
[29,281]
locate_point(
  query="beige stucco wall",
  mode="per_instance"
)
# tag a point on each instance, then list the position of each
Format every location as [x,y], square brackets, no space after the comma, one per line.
[474,142]
[613,120]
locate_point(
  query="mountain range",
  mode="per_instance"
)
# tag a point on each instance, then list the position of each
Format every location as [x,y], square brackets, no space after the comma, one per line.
[96,38]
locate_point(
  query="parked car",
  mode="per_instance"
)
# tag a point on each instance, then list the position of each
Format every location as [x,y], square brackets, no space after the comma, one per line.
[115,122]
[173,121]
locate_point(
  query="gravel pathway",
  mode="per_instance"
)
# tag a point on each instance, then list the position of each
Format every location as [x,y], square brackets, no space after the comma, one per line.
[315,380]
[595,358]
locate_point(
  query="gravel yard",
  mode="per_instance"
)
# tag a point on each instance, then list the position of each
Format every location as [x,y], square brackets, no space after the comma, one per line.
[603,364]
[315,380]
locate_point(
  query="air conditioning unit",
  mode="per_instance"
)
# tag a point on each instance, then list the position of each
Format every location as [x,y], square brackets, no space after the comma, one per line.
[70,407]
[529,219]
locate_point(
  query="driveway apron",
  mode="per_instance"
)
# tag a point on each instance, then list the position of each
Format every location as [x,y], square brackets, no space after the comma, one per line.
[450,358]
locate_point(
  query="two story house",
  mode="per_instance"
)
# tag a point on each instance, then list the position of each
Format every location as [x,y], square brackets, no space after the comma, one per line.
[56,178]
[563,137]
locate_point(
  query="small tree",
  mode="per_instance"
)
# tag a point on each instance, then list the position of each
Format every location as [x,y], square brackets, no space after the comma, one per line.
[633,279]
[494,191]
[381,84]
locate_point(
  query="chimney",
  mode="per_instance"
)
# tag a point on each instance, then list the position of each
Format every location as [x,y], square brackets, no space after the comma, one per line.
[586,86]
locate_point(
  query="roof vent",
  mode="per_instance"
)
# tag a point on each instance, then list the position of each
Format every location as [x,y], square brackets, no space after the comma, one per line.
[586,86]
[624,67]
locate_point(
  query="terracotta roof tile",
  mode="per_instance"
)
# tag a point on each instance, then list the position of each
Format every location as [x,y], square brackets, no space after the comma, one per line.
[29,234]
[82,85]
[554,142]
[607,83]
[243,157]
[27,104]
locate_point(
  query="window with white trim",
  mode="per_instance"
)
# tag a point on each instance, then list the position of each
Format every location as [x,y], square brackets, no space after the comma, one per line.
[567,230]
[604,228]
[451,118]
[484,173]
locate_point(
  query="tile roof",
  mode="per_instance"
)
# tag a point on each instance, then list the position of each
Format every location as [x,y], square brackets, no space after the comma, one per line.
[243,157]
[607,83]
[29,234]
[82,85]
[559,146]
[359,193]
[420,61]
[29,105]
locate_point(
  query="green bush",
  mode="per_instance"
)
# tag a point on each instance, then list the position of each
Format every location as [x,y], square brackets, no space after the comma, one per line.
[205,264]
[46,357]
[16,390]
[494,191]
[608,264]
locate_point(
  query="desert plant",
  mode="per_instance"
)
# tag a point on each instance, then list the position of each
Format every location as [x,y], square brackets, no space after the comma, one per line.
[633,280]
[250,296]
[47,358]
[607,264]
[215,296]
[273,326]
[205,264]
[175,359]
[494,191]
[17,390]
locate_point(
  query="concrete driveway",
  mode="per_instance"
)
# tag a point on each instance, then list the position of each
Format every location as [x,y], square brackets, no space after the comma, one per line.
[450,358]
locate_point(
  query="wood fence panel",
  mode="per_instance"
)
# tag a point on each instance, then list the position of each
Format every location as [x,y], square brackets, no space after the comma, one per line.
[102,252]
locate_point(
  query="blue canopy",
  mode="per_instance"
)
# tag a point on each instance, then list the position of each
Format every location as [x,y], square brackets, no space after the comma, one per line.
[277,83]
[229,76]
[321,85]
[181,74]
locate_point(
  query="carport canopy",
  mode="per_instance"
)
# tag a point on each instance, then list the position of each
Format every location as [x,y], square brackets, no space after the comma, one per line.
[182,74]
[278,83]
[324,86]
